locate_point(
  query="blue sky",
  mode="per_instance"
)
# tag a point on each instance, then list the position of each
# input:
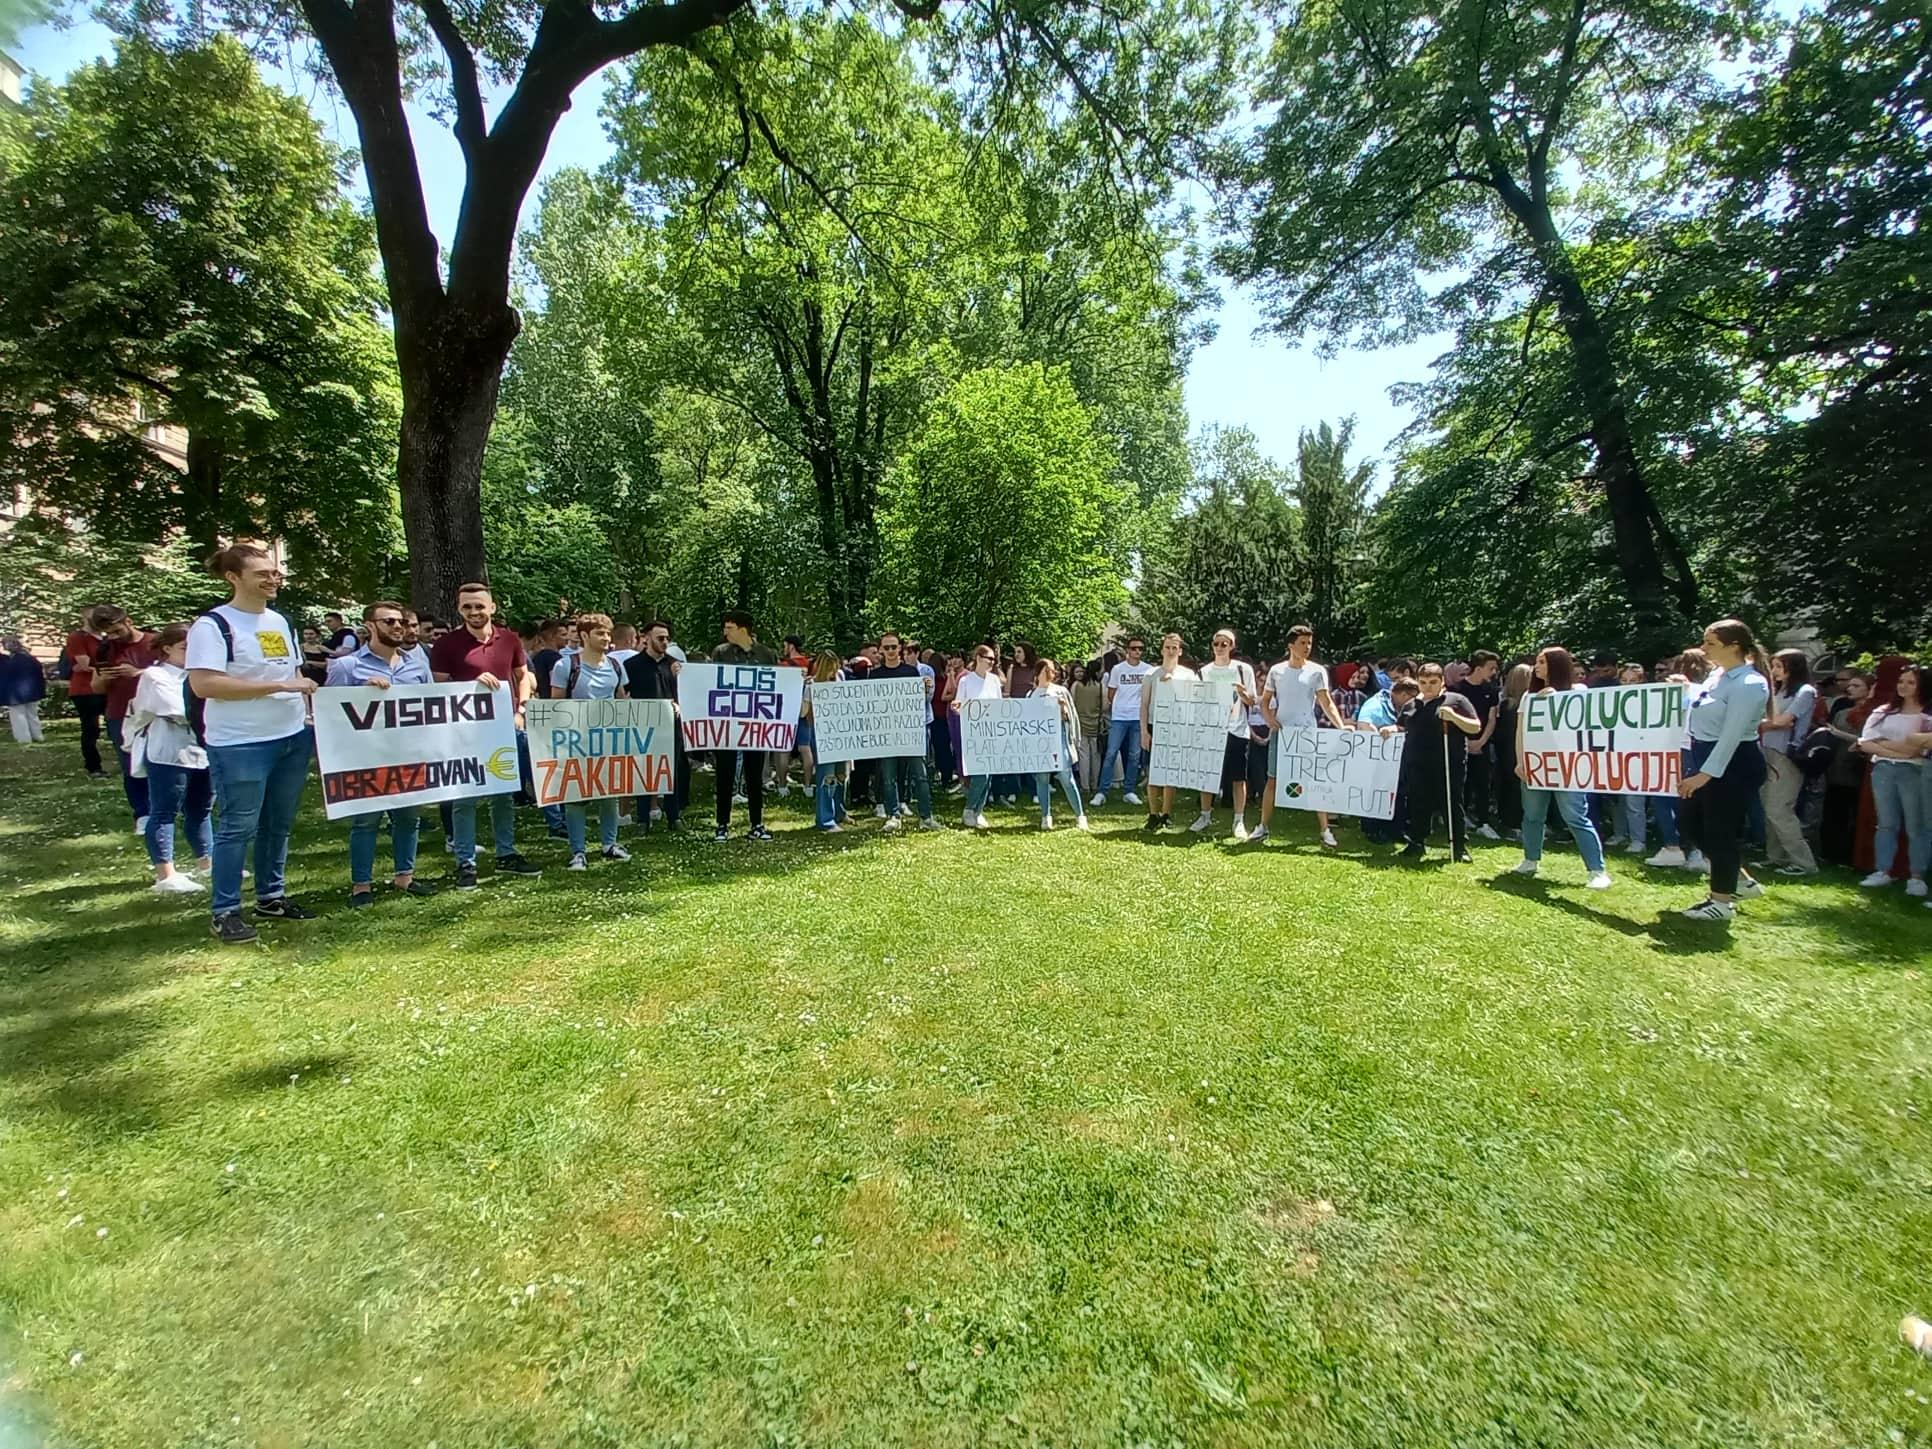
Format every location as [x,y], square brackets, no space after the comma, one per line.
[1240,379]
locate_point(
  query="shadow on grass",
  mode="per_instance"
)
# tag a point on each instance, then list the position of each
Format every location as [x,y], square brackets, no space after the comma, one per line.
[1669,934]
[286,1071]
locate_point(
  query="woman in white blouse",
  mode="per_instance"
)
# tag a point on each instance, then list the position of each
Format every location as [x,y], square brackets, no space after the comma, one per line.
[162,747]
[1891,738]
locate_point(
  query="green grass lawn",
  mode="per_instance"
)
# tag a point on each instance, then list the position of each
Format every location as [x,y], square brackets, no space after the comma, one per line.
[943,1140]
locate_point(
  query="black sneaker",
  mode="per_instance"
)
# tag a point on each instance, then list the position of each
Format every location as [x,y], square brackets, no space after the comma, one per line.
[361,900]
[1153,824]
[281,908]
[721,835]
[1462,857]
[466,877]
[558,832]
[757,832]
[1413,852]
[232,930]
[514,864]
[417,888]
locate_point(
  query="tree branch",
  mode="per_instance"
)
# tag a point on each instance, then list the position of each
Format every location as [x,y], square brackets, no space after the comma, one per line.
[469,127]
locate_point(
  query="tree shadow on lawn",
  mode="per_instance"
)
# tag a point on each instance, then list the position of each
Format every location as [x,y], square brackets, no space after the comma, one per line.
[1669,934]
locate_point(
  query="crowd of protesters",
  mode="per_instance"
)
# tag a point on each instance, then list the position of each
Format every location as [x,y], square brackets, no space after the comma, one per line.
[208,723]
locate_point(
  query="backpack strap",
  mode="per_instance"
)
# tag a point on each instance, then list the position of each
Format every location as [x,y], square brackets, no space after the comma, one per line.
[195,701]
[576,673]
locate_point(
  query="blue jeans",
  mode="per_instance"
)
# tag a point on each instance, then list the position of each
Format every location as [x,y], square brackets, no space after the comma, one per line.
[1043,781]
[173,791]
[1123,739]
[1570,805]
[1634,816]
[553,815]
[403,825]
[828,786]
[913,767]
[503,822]
[1898,795]
[259,789]
[136,790]
[977,789]
[1666,807]
[574,816]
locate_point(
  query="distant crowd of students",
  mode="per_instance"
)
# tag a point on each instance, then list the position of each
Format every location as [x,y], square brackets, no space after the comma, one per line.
[210,723]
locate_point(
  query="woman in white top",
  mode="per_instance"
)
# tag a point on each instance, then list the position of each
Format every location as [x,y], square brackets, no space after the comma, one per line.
[1226,669]
[1046,680]
[828,780]
[1785,726]
[1898,767]
[162,746]
[1160,798]
[979,682]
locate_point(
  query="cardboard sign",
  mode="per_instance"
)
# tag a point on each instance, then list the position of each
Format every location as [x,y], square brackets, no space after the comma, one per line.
[413,744]
[1010,736]
[1628,739]
[587,749]
[1344,772]
[1189,719]
[869,719]
[739,706]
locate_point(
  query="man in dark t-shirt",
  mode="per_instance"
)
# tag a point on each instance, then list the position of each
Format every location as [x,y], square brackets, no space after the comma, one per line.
[741,646]
[651,673]
[909,769]
[1440,722]
[1484,692]
[122,655]
[549,637]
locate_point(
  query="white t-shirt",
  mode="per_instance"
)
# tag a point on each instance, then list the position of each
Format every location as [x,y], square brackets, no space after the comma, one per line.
[1294,691]
[676,653]
[1126,678]
[619,657]
[971,687]
[1894,725]
[265,648]
[1241,676]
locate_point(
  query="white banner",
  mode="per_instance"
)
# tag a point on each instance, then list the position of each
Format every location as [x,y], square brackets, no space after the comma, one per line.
[413,744]
[1189,719]
[869,719]
[586,749]
[1345,772]
[1010,736]
[739,706]
[1627,739]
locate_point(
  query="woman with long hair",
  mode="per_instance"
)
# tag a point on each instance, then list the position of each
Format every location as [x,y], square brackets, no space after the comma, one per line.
[1090,708]
[1727,766]
[1160,798]
[1845,774]
[1782,734]
[1555,673]
[1898,765]
[1689,670]
[982,681]
[1046,680]
[828,779]
[1509,789]
[162,746]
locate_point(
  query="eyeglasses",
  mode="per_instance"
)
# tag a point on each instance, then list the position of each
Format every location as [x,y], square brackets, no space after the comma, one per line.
[984,658]
[386,620]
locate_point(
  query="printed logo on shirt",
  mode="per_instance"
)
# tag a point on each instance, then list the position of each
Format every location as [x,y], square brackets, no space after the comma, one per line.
[274,646]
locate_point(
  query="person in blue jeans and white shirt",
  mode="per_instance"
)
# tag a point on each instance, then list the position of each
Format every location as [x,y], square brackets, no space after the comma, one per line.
[163,750]
[1123,721]
[387,659]
[590,673]
[246,662]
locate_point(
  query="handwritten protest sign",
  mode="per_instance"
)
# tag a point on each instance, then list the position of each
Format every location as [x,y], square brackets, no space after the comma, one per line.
[739,706]
[586,749]
[1010,736]
[1624,740]
[869,719]
[1190,724]
[1345,772]
[413,744]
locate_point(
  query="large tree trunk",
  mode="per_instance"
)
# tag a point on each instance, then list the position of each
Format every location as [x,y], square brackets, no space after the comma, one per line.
[201,491]
[450,363]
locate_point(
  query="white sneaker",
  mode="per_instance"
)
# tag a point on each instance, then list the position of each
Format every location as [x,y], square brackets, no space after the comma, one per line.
[1748,889]
[878,812]
[1240,831]
[1099,800]
[833,829]
[905,812]
[141,825]
[1046,822]
[577,862]
[175,885]
[930,824]
[1600,881]
[1203,821]
[1526,866]
[1670,855]
[979,821]
[1328,839]
[1080,822]
[1709,910]
[892,824]
[1636,847]
[783,791]
[1915,887]
[1259,834]
[1696,861]
[1131,798]
[1487,831]
[1877,879]
[616,852]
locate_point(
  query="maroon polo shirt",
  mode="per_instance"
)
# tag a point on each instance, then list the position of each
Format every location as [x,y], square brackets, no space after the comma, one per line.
[462,656]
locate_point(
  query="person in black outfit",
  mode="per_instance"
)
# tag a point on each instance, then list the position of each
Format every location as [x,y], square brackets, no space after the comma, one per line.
[652,673]
[1483,690]
[741,646]
[1440,722]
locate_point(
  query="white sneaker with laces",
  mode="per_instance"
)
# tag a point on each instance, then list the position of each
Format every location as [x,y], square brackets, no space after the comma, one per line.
[1100,799]
[878,812]
[1240,831]
[1710,910]
[1328,839]
[141,825]
[1599,882]
[1670,855]
[1258,835]
[616,852]
[1748,889]
[1914,887]
[1203,821]
[175,885]
[1526,866]
[577,862]
[1131,798]
[1876,880]
[1046,822]
[892,824]
[1080,823]
[979,821]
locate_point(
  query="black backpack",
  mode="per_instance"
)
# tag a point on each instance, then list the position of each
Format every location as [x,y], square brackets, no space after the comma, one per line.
[197,706]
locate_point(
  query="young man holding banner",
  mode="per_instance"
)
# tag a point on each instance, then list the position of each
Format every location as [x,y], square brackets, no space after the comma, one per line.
[1295,689]
[902,771]
[385,660]
[483,653]
[741,646]
[590,673]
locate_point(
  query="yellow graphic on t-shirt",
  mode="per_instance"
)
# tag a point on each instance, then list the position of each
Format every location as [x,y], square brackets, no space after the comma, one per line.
[274,646]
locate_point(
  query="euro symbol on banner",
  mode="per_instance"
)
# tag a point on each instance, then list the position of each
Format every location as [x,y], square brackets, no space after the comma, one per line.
[502,764]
